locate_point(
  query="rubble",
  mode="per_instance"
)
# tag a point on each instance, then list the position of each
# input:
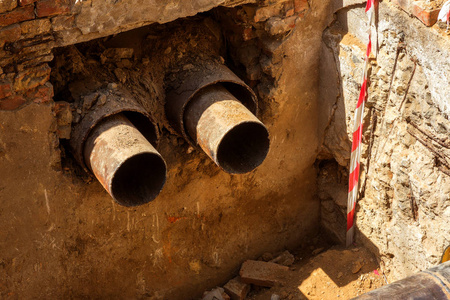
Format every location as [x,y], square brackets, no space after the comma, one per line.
[262,273]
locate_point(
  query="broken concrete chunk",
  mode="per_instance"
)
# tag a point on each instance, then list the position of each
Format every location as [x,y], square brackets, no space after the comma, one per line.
[262,273]
[285,259]
[237,289]
[216,294]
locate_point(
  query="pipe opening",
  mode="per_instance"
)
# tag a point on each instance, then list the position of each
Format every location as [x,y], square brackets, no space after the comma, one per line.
[139,179]
[124,161]
[243,148]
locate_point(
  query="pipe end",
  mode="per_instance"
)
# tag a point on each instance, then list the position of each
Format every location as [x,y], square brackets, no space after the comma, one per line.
[139,179]
[243,148]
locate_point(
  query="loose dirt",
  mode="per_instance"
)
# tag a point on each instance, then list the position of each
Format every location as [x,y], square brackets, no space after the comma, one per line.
[336,273]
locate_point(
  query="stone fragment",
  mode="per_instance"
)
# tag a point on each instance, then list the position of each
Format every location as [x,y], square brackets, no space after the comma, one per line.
[120,74]
[7,5]
[264,13]
[90,100]
[236,289]
[262,273]
[47,8]
[301,6]
[357,265]
[216,294]
[64,119]
[18,15]
[276,25]
[285,259]
[35,27]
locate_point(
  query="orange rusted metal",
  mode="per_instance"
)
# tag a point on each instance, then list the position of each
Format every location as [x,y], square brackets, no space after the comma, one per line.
[124,161]
[215,110]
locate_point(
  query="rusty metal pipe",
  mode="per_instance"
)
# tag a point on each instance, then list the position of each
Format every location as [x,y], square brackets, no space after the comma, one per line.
[226,130]
[124,161]
[433,283]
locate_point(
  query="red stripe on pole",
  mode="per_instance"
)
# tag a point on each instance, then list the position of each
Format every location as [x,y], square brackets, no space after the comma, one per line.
[350,217]
[368,5]
[357,138]
[369,48]
[353,180]
[362,94]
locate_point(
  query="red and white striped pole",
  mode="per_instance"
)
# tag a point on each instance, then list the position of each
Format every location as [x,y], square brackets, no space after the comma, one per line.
[444,14]
[357,133]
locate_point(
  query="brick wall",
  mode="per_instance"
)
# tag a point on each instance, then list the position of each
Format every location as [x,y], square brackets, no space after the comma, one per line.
[26,40]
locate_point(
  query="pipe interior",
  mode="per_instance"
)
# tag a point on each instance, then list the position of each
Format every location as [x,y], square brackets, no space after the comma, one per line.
[139,179]
[243,148]
[143,124]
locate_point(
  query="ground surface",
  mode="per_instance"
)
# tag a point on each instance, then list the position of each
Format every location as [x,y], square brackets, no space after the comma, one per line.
[336,273]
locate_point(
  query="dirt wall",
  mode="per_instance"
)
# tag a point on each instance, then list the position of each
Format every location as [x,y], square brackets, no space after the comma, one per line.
[62,234]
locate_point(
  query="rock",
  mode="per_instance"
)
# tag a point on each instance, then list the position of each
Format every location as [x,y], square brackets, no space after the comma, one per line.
[285,259]
[236,289]
[261,273]
[276,25]
[267,256]
[357,265]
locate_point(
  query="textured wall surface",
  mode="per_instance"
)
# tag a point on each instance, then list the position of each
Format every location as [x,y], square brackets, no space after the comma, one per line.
[405,191]
[63,236]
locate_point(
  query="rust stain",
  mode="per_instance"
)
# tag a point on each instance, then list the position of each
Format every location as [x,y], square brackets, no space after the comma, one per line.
[173,219]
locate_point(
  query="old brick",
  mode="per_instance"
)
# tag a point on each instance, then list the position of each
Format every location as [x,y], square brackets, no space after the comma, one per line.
[236,289]
[26,2]
[41,94]
[34,61]
[12,102]
[5,89]
[46,8]
[427,17]
[18,15]
[262,273]
[285,259]
[9,34]
[7,5]
[35,27]
[32,78]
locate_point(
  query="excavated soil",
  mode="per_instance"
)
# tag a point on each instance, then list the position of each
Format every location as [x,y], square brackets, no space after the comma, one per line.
[335,273]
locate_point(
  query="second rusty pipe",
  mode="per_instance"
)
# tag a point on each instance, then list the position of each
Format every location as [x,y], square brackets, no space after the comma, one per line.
[124,161]
[226,130]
